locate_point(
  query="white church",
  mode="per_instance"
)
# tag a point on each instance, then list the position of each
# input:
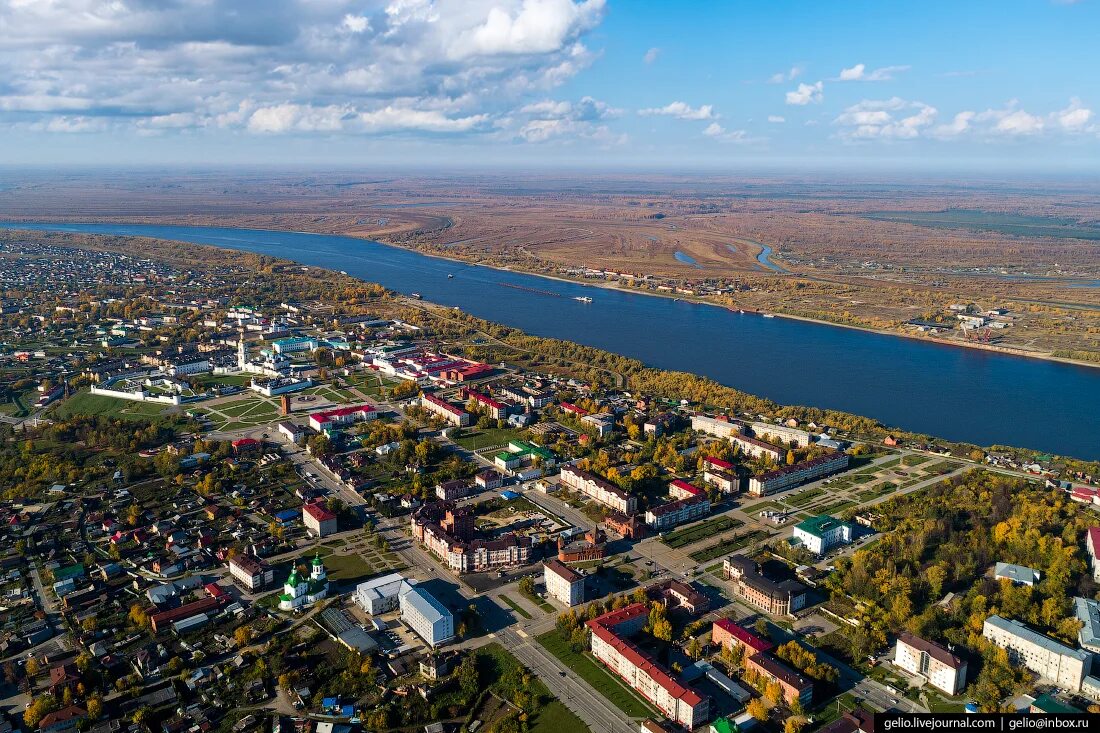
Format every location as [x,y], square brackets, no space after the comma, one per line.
[300,591]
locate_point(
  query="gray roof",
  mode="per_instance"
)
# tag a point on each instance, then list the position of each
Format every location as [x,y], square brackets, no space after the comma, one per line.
[1088,613]
[383,586]
[1015,573]
[426,604]
[1012,626]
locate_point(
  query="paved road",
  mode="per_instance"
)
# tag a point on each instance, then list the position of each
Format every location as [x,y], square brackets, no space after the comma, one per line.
[588,705]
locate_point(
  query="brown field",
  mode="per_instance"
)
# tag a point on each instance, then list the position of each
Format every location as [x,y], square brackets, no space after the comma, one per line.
[844,266]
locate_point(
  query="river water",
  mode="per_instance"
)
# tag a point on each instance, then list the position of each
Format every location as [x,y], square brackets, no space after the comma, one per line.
[958,393]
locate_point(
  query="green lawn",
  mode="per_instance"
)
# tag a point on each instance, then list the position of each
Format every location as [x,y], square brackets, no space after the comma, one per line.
[596,676]
[478,439]
[86,403]
[515,606]
[798,500]
[554,717]
[835,508]
[718,549]
[701,531]
[349,568]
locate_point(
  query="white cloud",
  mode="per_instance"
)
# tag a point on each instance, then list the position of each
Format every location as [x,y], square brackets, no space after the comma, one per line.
[681,111]
[959,124]
[284,118]
[551,119]
[889,119]
[856,72]
[717,132]
[356,23]
[859,73]
[807,93]
[781,76]
[651,55]
[536,26]
[776,119]
[1019,122]
[1073,118]
[1012,122]
[285,65]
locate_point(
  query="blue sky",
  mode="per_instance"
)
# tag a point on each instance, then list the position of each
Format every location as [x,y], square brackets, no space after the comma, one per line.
[892,85]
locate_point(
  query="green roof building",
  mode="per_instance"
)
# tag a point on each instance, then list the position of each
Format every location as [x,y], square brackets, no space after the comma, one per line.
[821,533]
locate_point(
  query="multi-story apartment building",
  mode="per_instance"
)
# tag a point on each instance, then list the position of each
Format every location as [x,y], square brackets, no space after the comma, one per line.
[730,635]
[495,408]
[598,489]
[943,670]
[757,448]
[782,433]
[791,476]
[447,411]
[1092,542]
[795,686]
[722,474]
[717,427]
[1052,660]
[250,572]
[677,512]
[612,646]
[563,583]
[680,489]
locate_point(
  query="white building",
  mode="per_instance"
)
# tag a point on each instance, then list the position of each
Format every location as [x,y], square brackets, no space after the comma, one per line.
[429,618]
[612,646]
[713,426]
[250,572]
[790,476]
[783,433]
[319,521]
[341,416]
[293,432]
[1053,661]
[300,591]
[822,533]
[603,422]
[382,594]
[758,448]
[674,513]
[182,368]
[1016,574]
[447,411]
[943,670]
[1092,541]
[563,583]
[599,489]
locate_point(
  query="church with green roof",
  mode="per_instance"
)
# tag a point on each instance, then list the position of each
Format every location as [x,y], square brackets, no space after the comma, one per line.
[300,590]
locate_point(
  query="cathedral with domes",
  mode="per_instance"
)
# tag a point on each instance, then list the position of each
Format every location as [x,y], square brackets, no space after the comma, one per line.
[300,591]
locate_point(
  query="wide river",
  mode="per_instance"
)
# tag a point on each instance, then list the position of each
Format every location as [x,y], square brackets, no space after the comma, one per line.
[958,393]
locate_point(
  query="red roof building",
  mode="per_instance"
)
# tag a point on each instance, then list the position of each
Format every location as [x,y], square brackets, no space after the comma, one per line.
[612,647]
[681,489]
[319,521]
[728,634]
